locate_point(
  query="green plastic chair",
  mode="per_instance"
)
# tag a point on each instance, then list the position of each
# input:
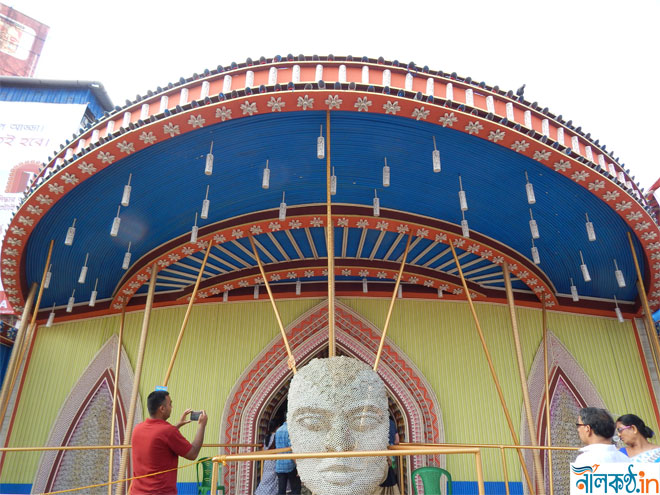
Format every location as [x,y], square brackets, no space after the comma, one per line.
[204,486]
[431,477]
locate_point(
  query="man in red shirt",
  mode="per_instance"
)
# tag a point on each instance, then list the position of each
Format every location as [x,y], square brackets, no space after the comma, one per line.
[157,446]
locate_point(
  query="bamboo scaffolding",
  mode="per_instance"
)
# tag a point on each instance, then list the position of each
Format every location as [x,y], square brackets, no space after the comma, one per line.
[650,325]
[546,376]
[389,311]
[187,315]
[330,243]
[481,446]
[27,341]
[291,360]
[114,397]
[505,471]
[128,446]
[138,374]
[540,484]
[492,368]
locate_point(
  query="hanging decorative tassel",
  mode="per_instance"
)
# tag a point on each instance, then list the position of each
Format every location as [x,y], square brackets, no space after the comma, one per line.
[115,224]
[529,188]
[376,204]
[591,233]
[205,204]
[437,167]
[320,146]
[70,234]
[208,168]
[126,197]
[585,270]
[574,292]
[619,276]
[72,299]
[265,181]
[92,299]
[51,317]
[127,258]
[386,174]
[194,231]
[83,271]
[461,195]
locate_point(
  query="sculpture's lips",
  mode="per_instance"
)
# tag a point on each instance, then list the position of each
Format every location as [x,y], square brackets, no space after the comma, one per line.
[339,468]
[339,474]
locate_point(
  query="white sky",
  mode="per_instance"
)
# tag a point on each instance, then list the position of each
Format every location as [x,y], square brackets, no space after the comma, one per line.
[595,62]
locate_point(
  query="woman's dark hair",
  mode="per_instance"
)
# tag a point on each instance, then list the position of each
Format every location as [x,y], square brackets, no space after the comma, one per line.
[633,420]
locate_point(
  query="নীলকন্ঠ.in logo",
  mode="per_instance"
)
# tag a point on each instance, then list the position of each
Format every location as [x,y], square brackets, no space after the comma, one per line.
[615,478]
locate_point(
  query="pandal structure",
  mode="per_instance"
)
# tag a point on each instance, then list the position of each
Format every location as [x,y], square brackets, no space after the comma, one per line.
[410,147]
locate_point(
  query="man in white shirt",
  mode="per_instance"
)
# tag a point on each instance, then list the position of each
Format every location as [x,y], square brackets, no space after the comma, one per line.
[596,428]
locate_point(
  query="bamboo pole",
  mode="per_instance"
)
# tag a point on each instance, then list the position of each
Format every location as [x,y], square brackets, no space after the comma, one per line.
[5,394]
[389,311]
[547,399]
[650,325]
[114,398]
[187,315]
[492,368]
[291,360]
[401,482]
[536,456]
[330,243]
[27,341]
[505,471]
[138,373]
[214,479]
[128,446]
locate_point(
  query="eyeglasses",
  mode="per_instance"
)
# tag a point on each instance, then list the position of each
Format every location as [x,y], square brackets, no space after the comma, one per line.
[622,428]
[580,424]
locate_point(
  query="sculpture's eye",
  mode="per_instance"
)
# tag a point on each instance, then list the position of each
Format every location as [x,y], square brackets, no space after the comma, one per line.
[365,418]
[313,419]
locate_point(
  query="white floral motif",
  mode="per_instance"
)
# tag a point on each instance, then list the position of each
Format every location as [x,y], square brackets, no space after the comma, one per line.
[342,222]
[316,222]
[309,273]
[457,291]
[448,119]
[291,275]
[188,250]
[275,277]
[428,283]
[147,137]
[362,223]
[196,121]
[473,248]
[14,242]
[623,206]
[276,105]
[402,228]
[562,165]
[55,188]
[10,281]
[580,175]
[422,232]
[202,244]
[11,252]
[174,257]
[134,285]
[105,157]
[656,266]
[11,292]
[458,242]
[532,281]
[381,275]
[35,210]
[486,254]
[362,104]
[633,216]
[346,272]
[243,283]
[596,185]
[413,280]
[163,263]
[237,233]
[611,195]
[639,226]
[474,127]
[228,286]
[8,262]
[117,306]
[215,291]
[498,260]
[258,280]
[305,102]
[255,230]
[274,226]
[249,108]
[655,256]
[171,129]
[520,146]
[324,272]
[524,274]
[420,113]
[513,267]
[541,155]
[333,101]
[654,246]
[126,147]
[25,220]
[382,225]
[17,230]
[87,168]
[392,108]
[440,237]
[8,271]
[70,178]
[538,289]
[219,239]
[363,273]
[649,236]
[142,277]
[496,135]
[223,113]
[295,224]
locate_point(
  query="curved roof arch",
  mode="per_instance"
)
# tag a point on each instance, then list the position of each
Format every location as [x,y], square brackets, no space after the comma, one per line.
[490,144]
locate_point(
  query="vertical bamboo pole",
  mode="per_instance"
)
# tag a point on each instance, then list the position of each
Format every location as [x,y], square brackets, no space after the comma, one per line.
[27,341]
[114,398]
[5,394]
[187,315]
[401,482]
[389,311]
[547,399]
[330,243]
[536,455]
[506,472]
[505,409]
[650,325]
[214,478]
[480,472]
[291,361]
[136,380]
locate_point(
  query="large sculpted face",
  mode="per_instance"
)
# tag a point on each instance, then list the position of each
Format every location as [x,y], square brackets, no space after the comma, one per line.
[338,404]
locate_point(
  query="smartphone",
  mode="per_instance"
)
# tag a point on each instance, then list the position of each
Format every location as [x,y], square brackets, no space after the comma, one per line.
[194,415]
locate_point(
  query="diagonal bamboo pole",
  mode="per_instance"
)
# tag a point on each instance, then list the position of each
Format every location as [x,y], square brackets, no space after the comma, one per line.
[138,373]
[291,361]
[18,344]
[114,397]
[187,315]
[492,369]
[27,342]
[547,398]
[650,325]
[389,311]
[330,243]
[536,456]
[506,472]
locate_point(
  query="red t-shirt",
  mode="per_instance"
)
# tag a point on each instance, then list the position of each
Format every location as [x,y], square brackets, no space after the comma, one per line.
[157,446]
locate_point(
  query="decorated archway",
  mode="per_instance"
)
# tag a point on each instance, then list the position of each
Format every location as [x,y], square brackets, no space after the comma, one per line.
[357,337]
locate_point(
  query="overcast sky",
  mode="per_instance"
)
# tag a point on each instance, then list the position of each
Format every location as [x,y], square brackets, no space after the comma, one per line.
[595,62]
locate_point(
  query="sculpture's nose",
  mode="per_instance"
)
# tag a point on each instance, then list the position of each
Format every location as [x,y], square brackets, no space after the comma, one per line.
[340,437]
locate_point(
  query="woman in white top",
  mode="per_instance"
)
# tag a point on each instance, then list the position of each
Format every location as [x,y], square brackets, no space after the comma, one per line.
[635,434]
